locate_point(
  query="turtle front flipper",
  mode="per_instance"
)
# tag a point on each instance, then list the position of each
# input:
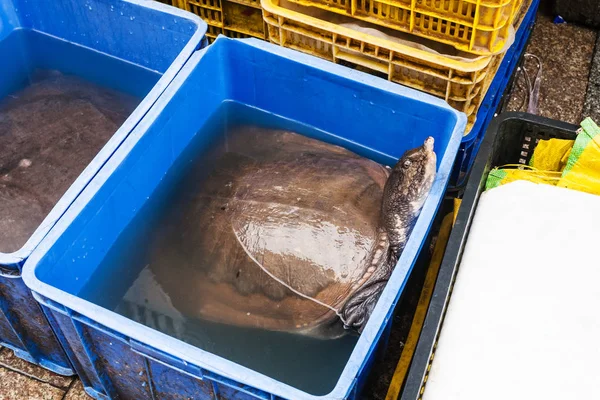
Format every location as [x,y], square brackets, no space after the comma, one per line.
[359,307]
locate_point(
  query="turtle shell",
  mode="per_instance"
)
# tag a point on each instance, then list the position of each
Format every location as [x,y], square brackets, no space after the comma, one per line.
[277,236]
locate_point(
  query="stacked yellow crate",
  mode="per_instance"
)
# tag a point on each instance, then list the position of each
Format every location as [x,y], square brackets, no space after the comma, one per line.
[448,48]
[233,18]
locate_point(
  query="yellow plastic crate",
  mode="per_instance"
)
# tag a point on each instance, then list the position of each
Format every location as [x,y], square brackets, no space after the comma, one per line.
[478,26]
[174,3]
[463,84]
[232,18]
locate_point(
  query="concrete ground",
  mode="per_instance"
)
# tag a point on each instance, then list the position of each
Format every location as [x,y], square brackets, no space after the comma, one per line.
[566,52]
[570,91]
[22,380]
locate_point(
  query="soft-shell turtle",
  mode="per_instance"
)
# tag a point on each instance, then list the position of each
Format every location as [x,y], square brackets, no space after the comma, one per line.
[289,233]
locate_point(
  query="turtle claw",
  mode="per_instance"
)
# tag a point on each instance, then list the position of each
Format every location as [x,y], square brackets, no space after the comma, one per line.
[351,322]
[357,311]
[355,316]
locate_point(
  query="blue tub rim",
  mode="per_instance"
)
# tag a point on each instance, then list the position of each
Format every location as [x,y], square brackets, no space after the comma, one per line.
[204,359]
[15,259]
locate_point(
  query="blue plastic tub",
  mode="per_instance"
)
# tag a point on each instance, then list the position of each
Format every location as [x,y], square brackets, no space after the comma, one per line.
[471,142]
[134,46]
[119,358]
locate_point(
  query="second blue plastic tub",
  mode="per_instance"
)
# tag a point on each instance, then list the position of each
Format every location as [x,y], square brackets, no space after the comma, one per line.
[119,358]
[133,46]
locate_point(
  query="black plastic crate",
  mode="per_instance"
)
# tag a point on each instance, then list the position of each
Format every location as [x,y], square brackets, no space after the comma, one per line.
[586,12]
[510,139]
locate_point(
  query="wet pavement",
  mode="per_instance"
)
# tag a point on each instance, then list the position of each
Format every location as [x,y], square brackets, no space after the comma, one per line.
[591,106]
[565,51]
[570,91]
[22,380]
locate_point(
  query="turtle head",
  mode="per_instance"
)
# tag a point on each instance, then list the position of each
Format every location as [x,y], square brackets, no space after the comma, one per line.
[404,194]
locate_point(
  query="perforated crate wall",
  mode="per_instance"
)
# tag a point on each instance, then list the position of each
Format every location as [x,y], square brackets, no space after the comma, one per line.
[232,18]
[462,84]
[477,26]
[462,90]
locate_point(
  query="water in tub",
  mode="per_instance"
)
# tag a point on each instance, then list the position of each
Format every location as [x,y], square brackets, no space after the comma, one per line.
[53,123]
[158,274]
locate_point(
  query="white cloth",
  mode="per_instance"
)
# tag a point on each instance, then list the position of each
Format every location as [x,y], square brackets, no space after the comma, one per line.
[524,318]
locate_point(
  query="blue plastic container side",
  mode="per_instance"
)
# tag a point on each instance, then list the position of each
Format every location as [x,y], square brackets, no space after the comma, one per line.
[116,356]
[87,38]
[472,141]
